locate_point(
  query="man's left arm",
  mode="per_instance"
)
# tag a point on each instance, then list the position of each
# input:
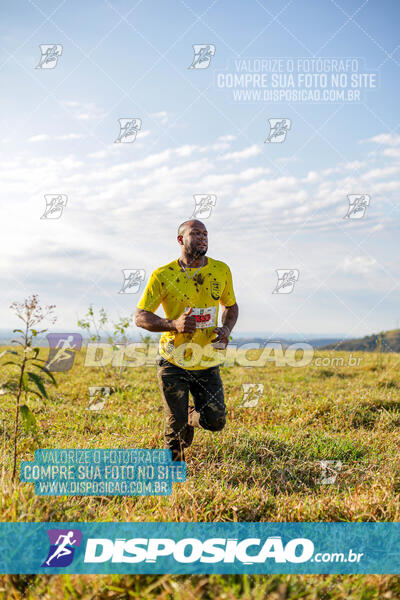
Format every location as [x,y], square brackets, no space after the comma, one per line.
[230,310]
[229,317]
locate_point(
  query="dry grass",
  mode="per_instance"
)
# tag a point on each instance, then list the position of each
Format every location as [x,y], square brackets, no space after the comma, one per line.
[264,466]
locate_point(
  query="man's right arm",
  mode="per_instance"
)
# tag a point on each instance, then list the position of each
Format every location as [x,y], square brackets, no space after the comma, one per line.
[151,322]
[147,319]
[186,323]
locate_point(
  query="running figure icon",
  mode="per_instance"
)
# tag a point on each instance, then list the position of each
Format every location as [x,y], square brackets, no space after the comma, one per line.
[62,549]
[63,346]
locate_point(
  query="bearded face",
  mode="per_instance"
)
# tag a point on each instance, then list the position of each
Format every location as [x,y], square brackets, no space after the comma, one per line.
[195,241]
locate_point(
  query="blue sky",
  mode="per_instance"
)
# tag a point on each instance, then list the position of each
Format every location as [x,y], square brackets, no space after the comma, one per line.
[279,205]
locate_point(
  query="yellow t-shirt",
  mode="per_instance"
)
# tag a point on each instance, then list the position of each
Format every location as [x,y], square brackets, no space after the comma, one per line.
[170,286]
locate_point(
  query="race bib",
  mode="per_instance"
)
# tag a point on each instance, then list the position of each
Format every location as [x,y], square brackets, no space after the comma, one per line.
[205,317]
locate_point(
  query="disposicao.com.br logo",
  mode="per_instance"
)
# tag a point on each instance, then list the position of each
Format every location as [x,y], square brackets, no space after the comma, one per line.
[165,552]
[248,551]
[189,550]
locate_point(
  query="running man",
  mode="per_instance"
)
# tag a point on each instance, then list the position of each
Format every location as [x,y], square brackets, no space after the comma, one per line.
[62,550]
[190,290]
[63,347]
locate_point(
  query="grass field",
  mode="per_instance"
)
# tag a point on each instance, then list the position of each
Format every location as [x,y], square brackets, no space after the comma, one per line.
[264,466]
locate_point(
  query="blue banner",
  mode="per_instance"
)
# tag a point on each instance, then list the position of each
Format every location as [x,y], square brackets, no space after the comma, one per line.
[123,548]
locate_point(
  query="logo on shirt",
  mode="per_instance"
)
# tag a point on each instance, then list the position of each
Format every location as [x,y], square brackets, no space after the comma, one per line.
[215,290]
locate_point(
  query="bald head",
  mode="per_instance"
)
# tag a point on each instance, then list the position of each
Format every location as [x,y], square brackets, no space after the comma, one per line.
[187,225]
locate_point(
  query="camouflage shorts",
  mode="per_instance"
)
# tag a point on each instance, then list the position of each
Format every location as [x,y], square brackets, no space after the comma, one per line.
[207,390]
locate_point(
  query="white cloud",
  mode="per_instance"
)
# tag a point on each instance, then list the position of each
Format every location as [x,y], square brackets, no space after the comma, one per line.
[83,111]
[359,265]
[392,152]
[161,116]
[355,164]
[70,136]
[112,150]
[186,150]
[254,150]
[41,137]
[312,177]
[380,173]
[44,137]
[387,139]
[226,138]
